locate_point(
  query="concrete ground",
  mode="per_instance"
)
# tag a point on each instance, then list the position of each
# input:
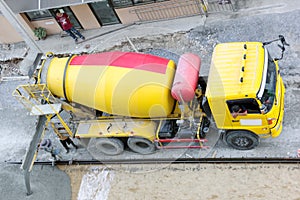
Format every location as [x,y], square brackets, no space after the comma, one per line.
[16,127]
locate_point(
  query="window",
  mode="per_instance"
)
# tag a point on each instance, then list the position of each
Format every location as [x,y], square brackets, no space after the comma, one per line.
[250,105]
[104,13]
[142,1]
[269,94]
[127,3]
[38,15]
[122,3]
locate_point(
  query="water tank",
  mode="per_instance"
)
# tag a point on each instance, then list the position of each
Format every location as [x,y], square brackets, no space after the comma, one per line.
[186,77]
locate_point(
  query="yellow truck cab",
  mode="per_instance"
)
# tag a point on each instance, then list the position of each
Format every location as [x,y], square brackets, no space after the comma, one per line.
[245,93]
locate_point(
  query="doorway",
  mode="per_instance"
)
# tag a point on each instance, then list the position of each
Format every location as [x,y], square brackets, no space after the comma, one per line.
[104,12]
[72,17]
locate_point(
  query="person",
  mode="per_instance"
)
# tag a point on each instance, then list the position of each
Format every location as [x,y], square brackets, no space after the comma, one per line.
[65,141]
[67,26]
[238,111]
[46,145]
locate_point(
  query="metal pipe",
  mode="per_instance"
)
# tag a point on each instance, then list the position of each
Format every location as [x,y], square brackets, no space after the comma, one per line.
[257,160]
[27,182]
[30,155]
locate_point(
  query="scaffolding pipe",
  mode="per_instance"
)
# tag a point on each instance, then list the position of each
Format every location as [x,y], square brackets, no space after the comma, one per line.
[15,22]
[31,152]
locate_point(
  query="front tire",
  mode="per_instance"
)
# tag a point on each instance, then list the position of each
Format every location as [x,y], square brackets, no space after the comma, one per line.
[241,140]
[141,145]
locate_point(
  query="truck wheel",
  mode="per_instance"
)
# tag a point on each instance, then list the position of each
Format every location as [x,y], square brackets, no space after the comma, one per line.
[109,146]
[141,145]
[241,140]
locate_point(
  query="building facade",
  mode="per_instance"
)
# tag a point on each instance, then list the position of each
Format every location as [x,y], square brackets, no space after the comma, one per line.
[86,15]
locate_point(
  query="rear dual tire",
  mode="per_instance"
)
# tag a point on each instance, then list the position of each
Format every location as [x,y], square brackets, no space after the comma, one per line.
[108,146]
[141,145]
[114,146]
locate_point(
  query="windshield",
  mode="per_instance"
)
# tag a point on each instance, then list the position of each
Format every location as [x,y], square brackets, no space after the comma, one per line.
[268,95]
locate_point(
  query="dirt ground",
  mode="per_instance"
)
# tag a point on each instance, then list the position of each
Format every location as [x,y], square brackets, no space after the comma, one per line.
[200,181]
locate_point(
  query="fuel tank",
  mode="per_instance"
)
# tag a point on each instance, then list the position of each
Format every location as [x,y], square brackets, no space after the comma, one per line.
[119,83]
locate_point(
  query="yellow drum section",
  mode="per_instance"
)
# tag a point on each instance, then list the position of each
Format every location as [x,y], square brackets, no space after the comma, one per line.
[119,83]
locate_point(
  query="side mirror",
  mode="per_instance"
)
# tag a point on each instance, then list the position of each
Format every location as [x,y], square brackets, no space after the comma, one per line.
[263,109]
[283,42]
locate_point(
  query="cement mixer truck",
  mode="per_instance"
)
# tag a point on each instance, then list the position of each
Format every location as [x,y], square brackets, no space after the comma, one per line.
[142,102]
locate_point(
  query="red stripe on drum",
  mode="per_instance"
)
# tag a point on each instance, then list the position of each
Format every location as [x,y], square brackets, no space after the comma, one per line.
[131,60]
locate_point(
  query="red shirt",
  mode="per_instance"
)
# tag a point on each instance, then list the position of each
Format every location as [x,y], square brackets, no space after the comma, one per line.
[64,21]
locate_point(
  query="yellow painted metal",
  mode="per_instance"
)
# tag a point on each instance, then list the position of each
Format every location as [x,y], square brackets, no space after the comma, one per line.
[226,70]
[278,110]
[157,132]
[32,96]
[55,75]
[65,126]
[198,134]
[232,76]
[114,90]
[117,128]
[236,72]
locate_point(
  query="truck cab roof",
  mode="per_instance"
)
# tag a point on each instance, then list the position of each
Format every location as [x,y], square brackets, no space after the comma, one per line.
[236,70]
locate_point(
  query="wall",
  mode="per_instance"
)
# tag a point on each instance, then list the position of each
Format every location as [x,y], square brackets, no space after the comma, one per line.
[50,25]
[8,34]
[157,11]
[89,21]
[126,15]
[85,16]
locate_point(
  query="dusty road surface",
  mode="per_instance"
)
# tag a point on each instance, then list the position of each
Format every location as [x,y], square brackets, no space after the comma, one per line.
[182,181]
[185,181]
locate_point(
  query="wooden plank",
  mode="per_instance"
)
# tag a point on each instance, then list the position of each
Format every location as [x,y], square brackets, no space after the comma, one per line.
[45,109]
[14,78]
